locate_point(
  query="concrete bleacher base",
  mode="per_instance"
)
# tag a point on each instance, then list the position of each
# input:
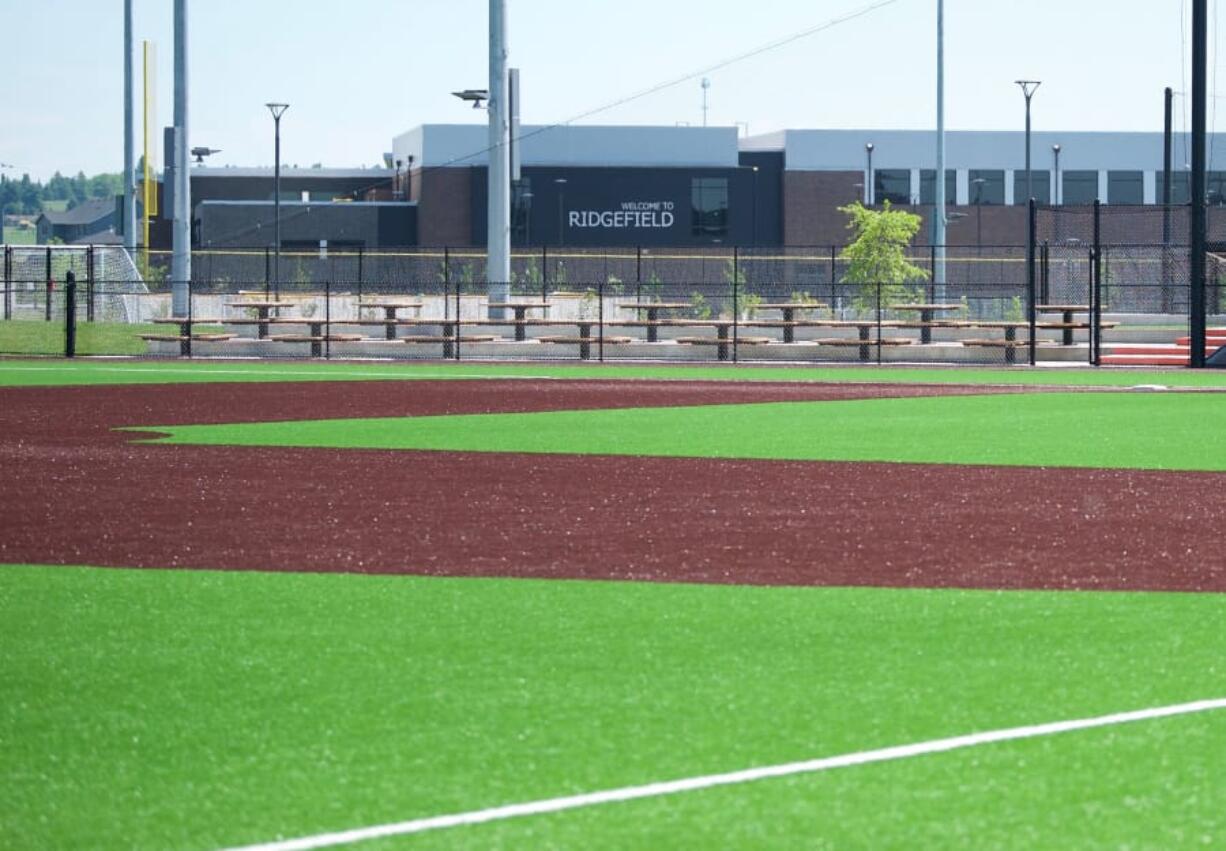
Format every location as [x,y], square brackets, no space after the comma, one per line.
[665,350]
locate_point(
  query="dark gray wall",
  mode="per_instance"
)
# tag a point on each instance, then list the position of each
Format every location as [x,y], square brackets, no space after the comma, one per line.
[244,187]
[596,192]
[223,224]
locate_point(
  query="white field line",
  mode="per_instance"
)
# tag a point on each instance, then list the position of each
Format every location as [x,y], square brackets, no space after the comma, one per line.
[690,784]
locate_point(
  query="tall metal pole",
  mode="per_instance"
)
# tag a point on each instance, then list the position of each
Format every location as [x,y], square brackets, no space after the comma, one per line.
[181,260]
[1197,237]
[498,268]
[129,135]
[938,211]
[277,110]
[1167,114]
[1055,173]
[868,180]
[1028,89]
[276,203]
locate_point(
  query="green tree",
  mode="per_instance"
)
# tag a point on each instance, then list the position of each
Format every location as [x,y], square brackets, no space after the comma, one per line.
[877,256]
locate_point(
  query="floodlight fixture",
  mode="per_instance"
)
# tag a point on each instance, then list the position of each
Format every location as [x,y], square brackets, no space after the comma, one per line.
[277,109]
[201,153]
[477,96]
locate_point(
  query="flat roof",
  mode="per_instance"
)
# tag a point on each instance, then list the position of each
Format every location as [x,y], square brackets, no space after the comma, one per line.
[296,173]
[844,150]
[460,145]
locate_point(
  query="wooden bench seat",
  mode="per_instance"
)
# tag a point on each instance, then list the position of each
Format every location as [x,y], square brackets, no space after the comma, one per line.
[584,343]
[193,321]
[1074,325]
[852,341]
[716,341]
[997,343]
[179,338]
[320,338]
[466,338]
[559,338]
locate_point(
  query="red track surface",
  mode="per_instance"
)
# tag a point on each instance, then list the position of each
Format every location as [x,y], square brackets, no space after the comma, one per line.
[74,492]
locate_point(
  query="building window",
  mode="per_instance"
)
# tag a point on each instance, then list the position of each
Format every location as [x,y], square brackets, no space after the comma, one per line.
[893,185]
[991,192]
[1125,187]
[1040,183]
[1080,187]
[709,199]
[1181,187]
[928,186]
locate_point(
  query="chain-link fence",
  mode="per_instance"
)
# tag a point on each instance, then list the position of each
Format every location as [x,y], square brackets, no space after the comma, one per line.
[1130,268]
[693,321]
[736,304]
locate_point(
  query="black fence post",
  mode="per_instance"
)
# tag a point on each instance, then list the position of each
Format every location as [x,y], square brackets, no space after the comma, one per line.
[458,285]
[932,273]
[834,279]
[328,318]
[1045,273]
[600,322]
[185,345]
[70,316]
[1096,293]
[1031,307]
[8,282]
[49,285]
[736,301]
[267,272]
[89,284]
[638,273]
[879,323]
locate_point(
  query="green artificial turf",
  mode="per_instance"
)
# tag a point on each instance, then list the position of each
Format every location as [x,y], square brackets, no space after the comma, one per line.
[1165,431]
[156,709]
[44,373]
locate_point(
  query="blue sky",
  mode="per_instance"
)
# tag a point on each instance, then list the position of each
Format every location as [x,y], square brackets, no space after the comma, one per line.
[359,72]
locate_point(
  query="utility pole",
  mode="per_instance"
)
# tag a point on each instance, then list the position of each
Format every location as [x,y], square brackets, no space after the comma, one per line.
[129,135]
[938,211]
[181,260]
[1200,28]
[706,84]
[498,249]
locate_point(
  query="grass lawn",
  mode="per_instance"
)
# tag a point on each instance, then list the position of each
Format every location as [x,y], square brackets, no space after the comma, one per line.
[93,338]
[44,373]
[193,709]
[1163,431]
[19,236]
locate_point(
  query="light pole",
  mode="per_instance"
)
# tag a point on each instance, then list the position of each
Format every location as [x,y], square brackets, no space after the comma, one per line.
[560,182]
[1055,153]
[277,110]
[755,206]
[1028,89]
[979,181]
[938,206]
[868,185]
